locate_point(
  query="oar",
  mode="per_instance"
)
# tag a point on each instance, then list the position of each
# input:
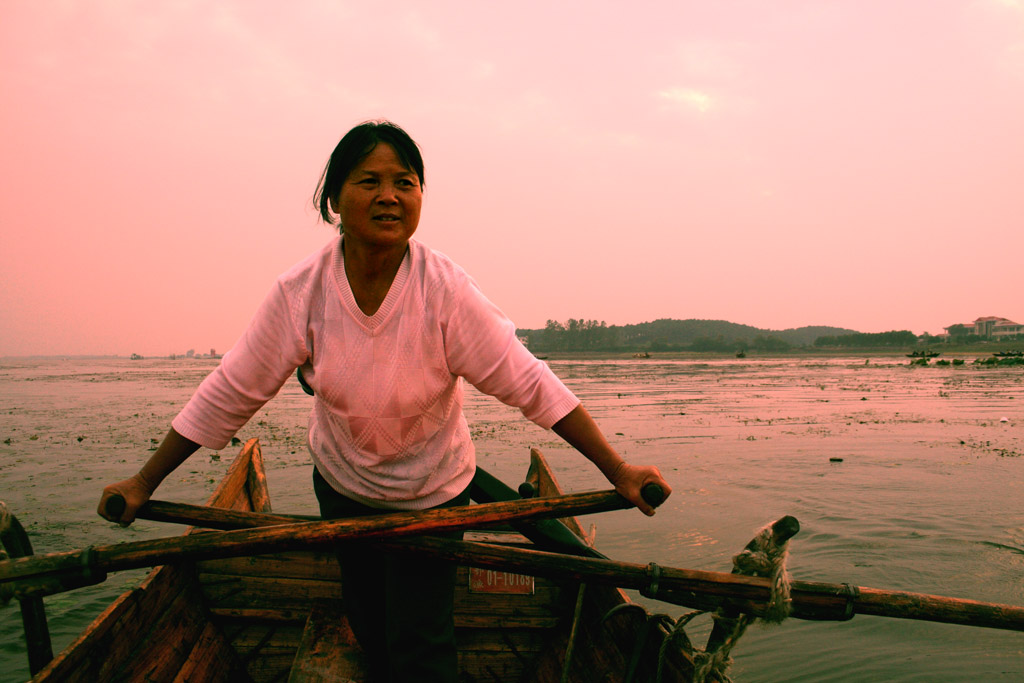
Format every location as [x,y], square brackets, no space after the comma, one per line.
[688,587]
[704,590]
[295,535]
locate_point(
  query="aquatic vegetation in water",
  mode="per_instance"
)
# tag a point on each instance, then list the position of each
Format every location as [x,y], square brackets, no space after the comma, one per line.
[999,361]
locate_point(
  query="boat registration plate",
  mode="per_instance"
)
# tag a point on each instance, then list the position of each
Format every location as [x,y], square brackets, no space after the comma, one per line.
[492,581]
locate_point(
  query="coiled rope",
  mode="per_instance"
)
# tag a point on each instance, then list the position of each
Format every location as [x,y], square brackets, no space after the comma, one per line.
[762,557]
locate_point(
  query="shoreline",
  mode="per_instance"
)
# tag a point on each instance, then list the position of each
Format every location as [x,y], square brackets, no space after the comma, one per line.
[967,351]
[978,349]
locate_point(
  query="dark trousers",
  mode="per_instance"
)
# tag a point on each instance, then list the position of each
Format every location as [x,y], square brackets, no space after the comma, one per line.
[400,607]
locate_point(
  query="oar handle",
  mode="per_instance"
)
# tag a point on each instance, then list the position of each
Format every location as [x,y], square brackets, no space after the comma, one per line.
[653,494]
[115,505]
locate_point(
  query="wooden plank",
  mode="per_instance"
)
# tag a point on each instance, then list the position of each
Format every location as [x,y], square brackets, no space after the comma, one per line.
[498,639]
[265,649]
[108,641]
[540,610]
[231,492]
[161,652]
[328,651]
[212,660]
[297,564]
[74,664]
[548,486]
[540,604]
[270,668]
[482,620]
[246,637]
[222,590]
[493,666]
[256,483]
[250,614]
[498,654]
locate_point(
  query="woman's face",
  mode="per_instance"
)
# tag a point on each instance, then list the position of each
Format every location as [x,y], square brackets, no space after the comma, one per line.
[379,202]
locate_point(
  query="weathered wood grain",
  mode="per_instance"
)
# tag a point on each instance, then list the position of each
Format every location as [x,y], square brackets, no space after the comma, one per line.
[267,592]
[328,650]
[212,660]
[110,639]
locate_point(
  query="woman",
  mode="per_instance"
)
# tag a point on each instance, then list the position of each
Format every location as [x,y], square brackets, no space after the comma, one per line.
[383,329]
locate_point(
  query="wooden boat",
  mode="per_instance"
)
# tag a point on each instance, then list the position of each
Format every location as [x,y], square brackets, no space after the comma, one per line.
[277,617]
[230,614]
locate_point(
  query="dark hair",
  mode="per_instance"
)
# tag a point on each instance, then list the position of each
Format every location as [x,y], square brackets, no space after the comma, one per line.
[353,148]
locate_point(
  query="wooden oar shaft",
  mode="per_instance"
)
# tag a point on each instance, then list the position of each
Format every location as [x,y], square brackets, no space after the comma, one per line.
[214,518]
[219,518]
[307,534]
[692,588]
[938,608]
[703,590]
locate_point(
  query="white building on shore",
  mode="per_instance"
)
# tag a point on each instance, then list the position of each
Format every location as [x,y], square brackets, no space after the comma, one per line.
[989,327]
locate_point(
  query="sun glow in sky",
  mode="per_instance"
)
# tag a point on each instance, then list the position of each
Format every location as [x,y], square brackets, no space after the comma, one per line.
[780,164]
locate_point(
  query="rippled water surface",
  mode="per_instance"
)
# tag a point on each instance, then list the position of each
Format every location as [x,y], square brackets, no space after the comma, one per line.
[928,495]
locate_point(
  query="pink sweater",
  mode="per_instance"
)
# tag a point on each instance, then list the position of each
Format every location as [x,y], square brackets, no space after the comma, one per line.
[386,427]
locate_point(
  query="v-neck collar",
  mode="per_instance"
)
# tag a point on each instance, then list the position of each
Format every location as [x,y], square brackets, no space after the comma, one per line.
[374,321]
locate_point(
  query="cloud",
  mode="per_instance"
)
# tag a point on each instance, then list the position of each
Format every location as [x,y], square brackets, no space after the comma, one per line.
[690,98]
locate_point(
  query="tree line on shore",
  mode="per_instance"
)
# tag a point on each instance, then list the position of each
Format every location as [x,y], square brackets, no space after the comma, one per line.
[667,335]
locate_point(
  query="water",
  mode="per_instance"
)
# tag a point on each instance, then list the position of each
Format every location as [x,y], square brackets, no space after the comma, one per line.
[927,497]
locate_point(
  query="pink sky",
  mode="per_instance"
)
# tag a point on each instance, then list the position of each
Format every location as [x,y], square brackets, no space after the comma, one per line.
[853,163]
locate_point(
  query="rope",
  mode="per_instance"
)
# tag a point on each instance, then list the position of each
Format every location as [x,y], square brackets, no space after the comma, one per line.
[676,634]
[765,558]
[762,557]
[5,519]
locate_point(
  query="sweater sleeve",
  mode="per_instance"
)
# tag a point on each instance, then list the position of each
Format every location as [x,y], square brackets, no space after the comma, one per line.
[249,375]
[482,346]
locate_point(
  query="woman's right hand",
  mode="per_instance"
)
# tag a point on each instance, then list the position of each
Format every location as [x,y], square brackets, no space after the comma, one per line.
[135,493]
[171,452]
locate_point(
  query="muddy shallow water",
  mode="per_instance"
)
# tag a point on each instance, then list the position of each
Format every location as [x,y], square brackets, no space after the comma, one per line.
[928,495]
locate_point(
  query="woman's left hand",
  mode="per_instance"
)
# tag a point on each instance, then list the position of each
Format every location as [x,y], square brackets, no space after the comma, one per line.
[629,481]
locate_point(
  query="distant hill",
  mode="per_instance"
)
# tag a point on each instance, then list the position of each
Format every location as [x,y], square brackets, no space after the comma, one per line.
[805,336]
[669,334]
